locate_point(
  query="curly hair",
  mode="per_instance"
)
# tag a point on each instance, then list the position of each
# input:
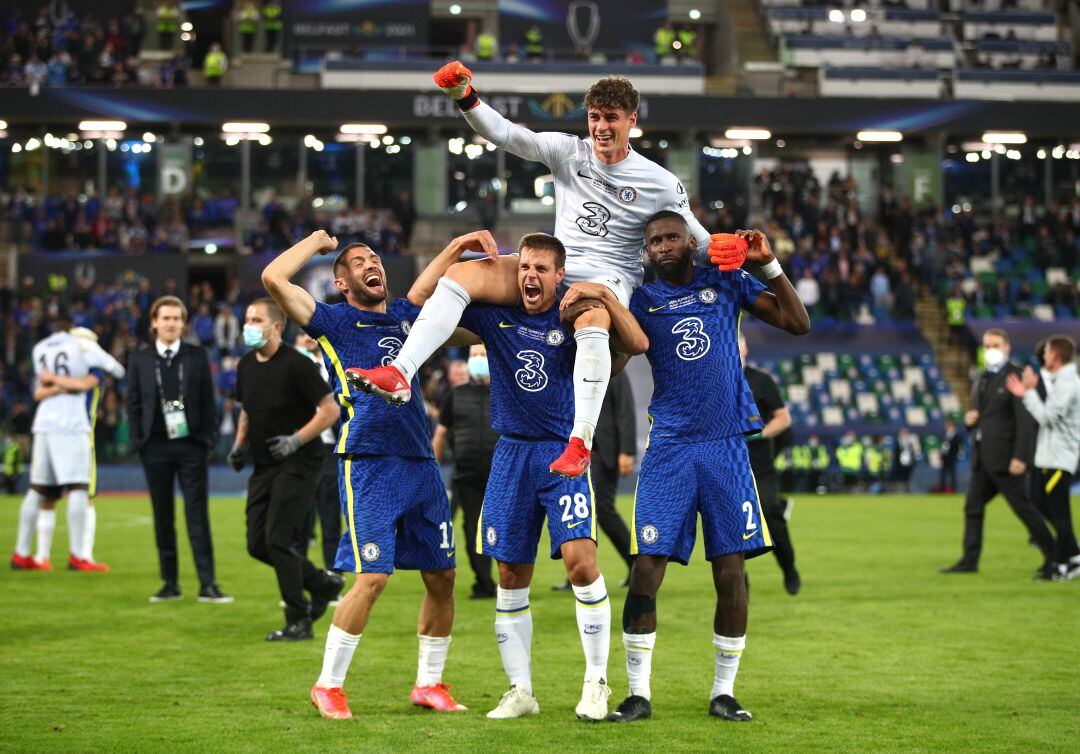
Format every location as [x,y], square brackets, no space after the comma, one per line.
[612,93]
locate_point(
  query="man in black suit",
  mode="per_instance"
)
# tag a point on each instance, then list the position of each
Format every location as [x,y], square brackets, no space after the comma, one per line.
[1003,444]
[951,445]
[173,422]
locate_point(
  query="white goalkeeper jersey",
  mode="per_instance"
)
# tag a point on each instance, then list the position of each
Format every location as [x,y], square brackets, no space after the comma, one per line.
[600,210]
[63,354]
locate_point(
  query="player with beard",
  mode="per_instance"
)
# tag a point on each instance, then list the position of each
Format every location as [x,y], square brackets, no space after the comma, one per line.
[391,490]
[696,459]
[605,193]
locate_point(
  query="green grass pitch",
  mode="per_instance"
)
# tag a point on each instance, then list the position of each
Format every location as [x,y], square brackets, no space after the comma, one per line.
[878,653]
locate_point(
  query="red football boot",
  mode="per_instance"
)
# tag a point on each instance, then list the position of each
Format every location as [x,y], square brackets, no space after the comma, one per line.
[87,566]
[22,562]
[574,461]
[386,381]
[331,703]
[436,697]
[41,565]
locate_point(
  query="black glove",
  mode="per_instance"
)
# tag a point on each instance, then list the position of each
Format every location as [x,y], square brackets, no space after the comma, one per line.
[236,458]
[284,446]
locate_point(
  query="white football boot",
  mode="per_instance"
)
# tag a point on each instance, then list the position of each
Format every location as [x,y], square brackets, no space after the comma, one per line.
[594,698]
[515,703]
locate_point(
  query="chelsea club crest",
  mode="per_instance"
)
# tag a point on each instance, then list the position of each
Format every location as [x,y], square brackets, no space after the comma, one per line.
[627,194]
[707,295]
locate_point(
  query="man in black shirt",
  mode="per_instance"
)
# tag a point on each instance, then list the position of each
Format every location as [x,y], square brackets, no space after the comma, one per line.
[465,424]
[287,405]
[760,446]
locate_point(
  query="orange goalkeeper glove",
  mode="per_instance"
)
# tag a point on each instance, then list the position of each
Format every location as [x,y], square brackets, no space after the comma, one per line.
[727,250]
[456,80]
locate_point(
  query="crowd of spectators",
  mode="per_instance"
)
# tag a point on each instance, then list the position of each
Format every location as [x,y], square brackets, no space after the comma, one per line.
[136,223]
[57,48]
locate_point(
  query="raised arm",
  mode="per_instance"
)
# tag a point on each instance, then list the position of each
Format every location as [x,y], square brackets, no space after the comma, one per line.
[780,306]
[456,80]
[626,334]
[424,287]
[296,302]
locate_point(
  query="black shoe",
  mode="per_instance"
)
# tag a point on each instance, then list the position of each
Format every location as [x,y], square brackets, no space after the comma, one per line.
[480,592]
[1047,572]
[213,593]
[726,708]
[960,567]
[632,708]
[625,583]
[293,632]
[168,593]
[322,598]
[792,582]
[563,587]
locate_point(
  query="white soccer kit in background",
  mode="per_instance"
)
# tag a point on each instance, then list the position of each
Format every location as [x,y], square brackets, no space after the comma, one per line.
[61,452]
[600,210]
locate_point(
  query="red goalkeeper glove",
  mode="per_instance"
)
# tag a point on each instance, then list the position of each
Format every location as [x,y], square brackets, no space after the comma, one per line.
[455,79]
[727,250]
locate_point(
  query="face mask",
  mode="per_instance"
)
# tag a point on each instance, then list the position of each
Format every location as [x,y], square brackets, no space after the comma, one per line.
[254,337]
[478,367]
[994,357]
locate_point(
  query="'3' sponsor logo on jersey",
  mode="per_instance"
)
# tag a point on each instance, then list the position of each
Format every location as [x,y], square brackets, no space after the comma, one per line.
[531,376]
[595,223]
[695,341]
[392,346]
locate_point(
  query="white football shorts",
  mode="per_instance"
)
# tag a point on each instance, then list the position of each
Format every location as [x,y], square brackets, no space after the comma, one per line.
[60,458]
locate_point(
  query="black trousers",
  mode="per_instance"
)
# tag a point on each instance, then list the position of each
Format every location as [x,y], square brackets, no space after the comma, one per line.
[468,491]
[327,510]
[982,488]
[768,486]
[279,497]
[165,462]
[606,484]
[1051,493]
[947,480]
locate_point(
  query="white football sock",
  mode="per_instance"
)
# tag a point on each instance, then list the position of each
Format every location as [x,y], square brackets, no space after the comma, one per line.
[729,651]
[639,649]
[46,524]
[592,371]
[89,532]
[340,646]
[432,659]
[435,324]
[28,516]
[77,503]
[513,631]
[594,622]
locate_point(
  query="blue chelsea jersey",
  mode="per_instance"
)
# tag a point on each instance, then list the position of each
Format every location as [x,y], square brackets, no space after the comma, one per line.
[531,359]
[351,337]
[699,391]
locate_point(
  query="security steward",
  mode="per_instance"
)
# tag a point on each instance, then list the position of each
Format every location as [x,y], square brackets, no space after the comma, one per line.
[286,406]
[777,420]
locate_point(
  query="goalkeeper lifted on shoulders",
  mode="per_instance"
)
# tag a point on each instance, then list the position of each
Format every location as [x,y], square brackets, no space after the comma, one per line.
[605,192]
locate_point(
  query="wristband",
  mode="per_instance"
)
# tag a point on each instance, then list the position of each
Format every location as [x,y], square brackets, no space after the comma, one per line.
[772,269]
[469,101]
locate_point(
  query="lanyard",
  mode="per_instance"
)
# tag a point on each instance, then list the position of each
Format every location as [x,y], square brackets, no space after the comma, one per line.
[180,381]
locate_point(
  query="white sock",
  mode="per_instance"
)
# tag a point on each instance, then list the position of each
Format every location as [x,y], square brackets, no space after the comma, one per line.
[89,532]
[77,503]
[592,370]
[432,659]
[639,649]
[28,516]
[340,646]
[436,323]
[729,651]
[46,524]
[513,631]
[594,622]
